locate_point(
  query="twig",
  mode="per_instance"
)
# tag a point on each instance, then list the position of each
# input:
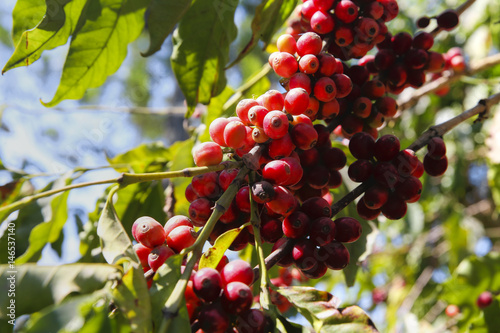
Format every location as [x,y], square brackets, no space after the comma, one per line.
[350,197]
[439,130]
[460,9]
[432,86]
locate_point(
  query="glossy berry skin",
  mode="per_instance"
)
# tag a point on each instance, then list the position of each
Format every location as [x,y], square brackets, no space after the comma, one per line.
[190,194]
[158,256]
[395,208]
[275,124]
[375,197]
[277,172]
[207,154]
[309,64]
[243,199]
[309,43]
[237,270]
[360,170]
[284,203]
[296,101]
[286,43]
[448,19]
[303,254]
[213,318]
[386,174]
[346,11]
[237,297]
[199,211]
[256,115]
[335,255]
[334,158]
[406,162]
[296,225]
[362,145]
[280,148]
[327,64]
[322,22]
[435,167]
[296,171]
[242,109]
[409,189]
[206,185]
[271,230]
[318,177]
[226,177]
[252,321]
[436,148]
[207,284]
[181,237]
[216,130]
[316,208]
[386,148]
[143,253]
[304,136]
[177,221]
[149,232]
[343,84]
[285,64]
[366,213]
[322,231]
[347,229]
[235,134]
[272,100]
[484,299]
[325,89]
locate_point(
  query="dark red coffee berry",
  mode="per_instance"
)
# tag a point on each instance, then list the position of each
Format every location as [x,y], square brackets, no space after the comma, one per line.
[296,225]
[207,284]
[347,229]
[484,299]
[237,270]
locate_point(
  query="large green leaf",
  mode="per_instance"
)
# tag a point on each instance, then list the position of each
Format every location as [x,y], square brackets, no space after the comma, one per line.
[201,49]
[162,18]
[49,231]
[321,310]
[37,287]
[100,46]
[115,242]
[269,17]
[26,15]
[132,298]
[59,22]
[148,157]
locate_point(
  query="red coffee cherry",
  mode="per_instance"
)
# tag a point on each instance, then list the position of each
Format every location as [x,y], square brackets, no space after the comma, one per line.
[284,203]
[346,11]
[375,197]
[391,9]
[307,10]
[386,148]
[285,64]
[149,232]
[316,208]
[329,110]
[226,177]
[335,255]
[143,253]
[386,174]
[280,148]
[242,109]
[300,80]
[296,171]
[416,59]
[318,177]
[272,100]
[395,208]
[278,172]
[235,134]
[212,318]
[436,148]
[237,270]
[323,5]
[333,158]
[304,136]
[309,43]
[286,43]
[181,237]
[190,193]
[375,10]
[325,89]
[401,42]
[216,130]
[373,89]
[207,154]
[199,211]
[452,310]
[275,124]
[207,284]
[256,115]
[484,299]
[423,22]
[177,221]
[360,170]
[347,229]
[243,199]
[327,64]
[343,84]
[237,298]
[271,229]
[303,254]
[317,271]
[366,213]
[344,36]
[362,107]
[296,101]
[206,185]
[322,22]
[296,225]
[158,256]
[362,145]
[335,179]
[322,231]
[423,40]
[435,167]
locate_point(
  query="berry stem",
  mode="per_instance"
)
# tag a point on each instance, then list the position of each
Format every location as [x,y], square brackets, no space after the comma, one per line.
[173,302]
[350,197]
[275,257]
[434,85]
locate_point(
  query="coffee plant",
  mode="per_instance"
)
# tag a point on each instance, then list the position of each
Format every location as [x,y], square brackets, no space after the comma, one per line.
[336,190]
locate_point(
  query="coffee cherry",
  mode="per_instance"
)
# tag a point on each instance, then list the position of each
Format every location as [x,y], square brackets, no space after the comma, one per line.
[304,136]
[303,254]
[387,106]
[452,310]
[199,211]
[316,208]
[401,42]
[206,185]
[272,100]
[284,203]
[242,109]
[216,130]
[237,298]
[242,199]
[285,64]
[395,208]
[237,270]
[325,89]
[296,225]
[317,271]
[366,213]
[335,255]
[256,115]
[277,172]
[322,22]
[362,107]
[409,189]
[435,167]
[334,158]
[251,321]
[226,177]
[158,256]
[262,192]
[190,194]
[286,43]
[375,197]
[360,170]
[347,229]
[296,101]
[309,43]
[484,299]
[149,232]
[177,221]
[346,11]
[213,318]
[448,19]
[181,237]
[423,22]
[329,109]
[300,80]
[270,229]
[235,134]
[207,154]
[373,89]
[327,64]
[287,260]
[362,145]
[322,231]
[436,148]
[296,171]
[386,174]
[207,284]
[423,40]
[143,253]
[275,124]
[282,147]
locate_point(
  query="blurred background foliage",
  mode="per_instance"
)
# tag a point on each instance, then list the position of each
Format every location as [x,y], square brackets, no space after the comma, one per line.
[445,251]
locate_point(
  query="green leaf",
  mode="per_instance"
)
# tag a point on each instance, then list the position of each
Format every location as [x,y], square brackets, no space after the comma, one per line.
[26,15]
[163,16]
[182,158]
[163,284]
[132,298]
[58,24]
[40,286]
[100,46]
[201,49]
[269,17]
[49,231]
[115,242]
[493,176]
[321,310]
[213,255]
[148,157]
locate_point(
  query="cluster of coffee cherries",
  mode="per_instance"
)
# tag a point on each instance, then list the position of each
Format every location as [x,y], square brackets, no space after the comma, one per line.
[353,27]
[454,62]
[394,174]
[156,243]
[220,298]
